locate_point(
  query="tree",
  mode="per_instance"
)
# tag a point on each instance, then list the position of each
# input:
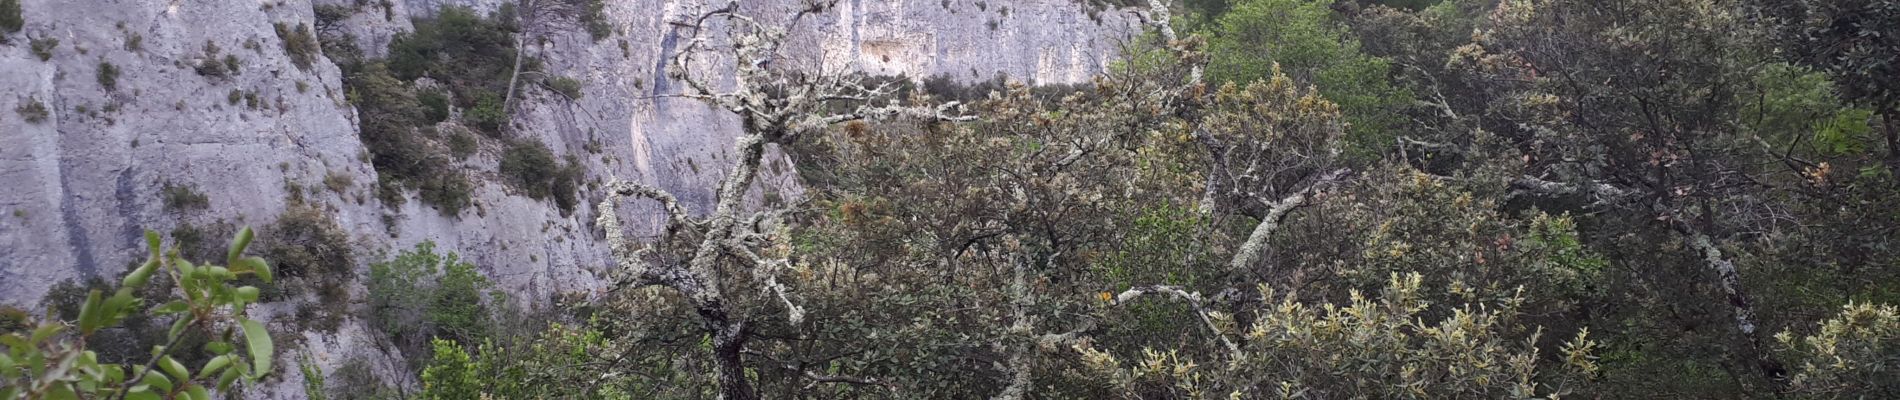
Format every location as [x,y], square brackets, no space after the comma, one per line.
[699,258]
[420,296]
[1258,38]
[1854,41]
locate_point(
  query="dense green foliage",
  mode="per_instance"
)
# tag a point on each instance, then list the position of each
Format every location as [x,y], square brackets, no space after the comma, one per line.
[1360,199]
[544,365]
[1365,200]
[399,135]
[1304,39]
[306,242]
[473,56]
[1852,354]
[455,63]
[55,359]
[595,18]
[300,43]
[184,197]
[529,165]
[108,75]
[10,19]
[419,296]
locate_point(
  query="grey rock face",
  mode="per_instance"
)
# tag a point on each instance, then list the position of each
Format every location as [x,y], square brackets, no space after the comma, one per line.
[77,189]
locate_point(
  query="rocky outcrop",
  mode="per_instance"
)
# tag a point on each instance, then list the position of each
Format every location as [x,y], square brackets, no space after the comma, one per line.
[78,188]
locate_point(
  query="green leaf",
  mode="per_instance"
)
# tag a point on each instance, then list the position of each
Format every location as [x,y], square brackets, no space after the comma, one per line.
[45,331]
[109,372]
[212,367]
[237,246]
[15,341]
[197,392]
[186,269]
[219,273]
[143,396]
[117,305]
[61,391]
[247,294]
[260,344]
[157,380]
[139,276]
[218,347]
[151,242]
[230,375]
[178,327]
[173,307]
[256,265]
[175,368]
[89,313]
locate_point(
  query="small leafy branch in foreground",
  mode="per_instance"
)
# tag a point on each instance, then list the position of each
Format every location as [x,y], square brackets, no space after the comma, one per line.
[52,360]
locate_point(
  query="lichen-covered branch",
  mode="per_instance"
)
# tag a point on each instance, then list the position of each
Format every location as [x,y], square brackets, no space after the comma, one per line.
[699,256]
[1194,301]
[1602,194]
[1250,251]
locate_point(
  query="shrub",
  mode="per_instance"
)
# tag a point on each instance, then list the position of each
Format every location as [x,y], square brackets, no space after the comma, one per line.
[1853,354]
[461,144]
[14,319]
[1394,346]
[566,86]
[338,182]
[191,241]
[210,68]
[134,42]
[43,47]
[299,43]
[10,19]
[355,380]
[420,294]
[306,242]
[456,46]
[596,20]
[108,76]
[945,88]
[473,57]
[330,15]
[448,191]
[32,110]
[231,63]
[401,154]
[530,166]
[487,114]
[181,197]
[451,374]
[517,368]
[435,105]
[313,386]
